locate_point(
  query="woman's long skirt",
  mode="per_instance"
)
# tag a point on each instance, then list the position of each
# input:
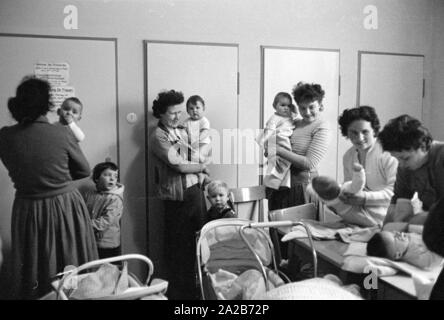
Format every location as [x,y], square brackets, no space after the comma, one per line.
[48,235]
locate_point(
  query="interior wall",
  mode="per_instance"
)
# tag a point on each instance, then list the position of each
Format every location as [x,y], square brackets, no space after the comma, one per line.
[404,26]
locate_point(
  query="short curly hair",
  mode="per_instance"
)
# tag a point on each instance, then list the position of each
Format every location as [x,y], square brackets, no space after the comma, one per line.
[166,99]
[365,113]
[307,93]
[32,99]
[405,133]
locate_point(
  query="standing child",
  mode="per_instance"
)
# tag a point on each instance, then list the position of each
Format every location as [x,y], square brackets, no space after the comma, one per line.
[220,204]
[70,112]
[105,205]
[277,131]
[198,127]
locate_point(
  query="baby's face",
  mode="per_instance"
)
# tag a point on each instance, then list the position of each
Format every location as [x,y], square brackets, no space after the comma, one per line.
[196,110]
[396,242]
[107,180]
[283,107]
[218,198]
[70,111]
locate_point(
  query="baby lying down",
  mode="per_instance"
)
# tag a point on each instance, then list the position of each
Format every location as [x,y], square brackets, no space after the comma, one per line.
[401,246]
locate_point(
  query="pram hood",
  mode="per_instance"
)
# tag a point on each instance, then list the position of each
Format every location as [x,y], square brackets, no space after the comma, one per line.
[226,232]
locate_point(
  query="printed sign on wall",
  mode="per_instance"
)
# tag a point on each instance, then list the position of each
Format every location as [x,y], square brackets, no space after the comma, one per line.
[56,73]
[60,93]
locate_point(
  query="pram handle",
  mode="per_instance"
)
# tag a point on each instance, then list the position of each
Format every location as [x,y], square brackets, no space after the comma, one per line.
[273,224]
[95,263]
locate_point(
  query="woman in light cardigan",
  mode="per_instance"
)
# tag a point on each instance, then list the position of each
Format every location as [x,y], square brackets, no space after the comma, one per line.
[361,126]
[176,183]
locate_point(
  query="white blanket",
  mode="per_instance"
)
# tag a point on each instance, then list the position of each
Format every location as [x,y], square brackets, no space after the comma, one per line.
[331,231]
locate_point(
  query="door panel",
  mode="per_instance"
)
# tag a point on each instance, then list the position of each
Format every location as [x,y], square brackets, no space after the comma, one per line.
[392,84]
[283,68]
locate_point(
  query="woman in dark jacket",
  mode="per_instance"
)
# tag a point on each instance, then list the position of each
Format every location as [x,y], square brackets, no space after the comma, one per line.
[51,228]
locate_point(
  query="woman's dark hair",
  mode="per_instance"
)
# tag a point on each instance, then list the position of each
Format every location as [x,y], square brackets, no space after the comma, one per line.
[365,113]
[376,246]
[100,167]
[32,100]
[405,133]
[166,99]
[307,93]
[193,101]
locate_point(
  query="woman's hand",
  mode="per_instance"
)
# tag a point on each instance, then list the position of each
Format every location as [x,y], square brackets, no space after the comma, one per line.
[354,199]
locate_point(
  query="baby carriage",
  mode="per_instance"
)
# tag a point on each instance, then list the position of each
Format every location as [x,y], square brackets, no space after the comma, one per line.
[236,259]
[107,281]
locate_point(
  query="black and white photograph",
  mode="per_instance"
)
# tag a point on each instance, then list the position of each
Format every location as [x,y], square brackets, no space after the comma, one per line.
[237,151]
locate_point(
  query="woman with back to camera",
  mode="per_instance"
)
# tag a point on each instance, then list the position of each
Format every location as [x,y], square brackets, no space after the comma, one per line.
[176,182]
[51,228]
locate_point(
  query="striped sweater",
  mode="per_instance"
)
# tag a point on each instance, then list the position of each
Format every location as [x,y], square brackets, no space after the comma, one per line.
[310,140]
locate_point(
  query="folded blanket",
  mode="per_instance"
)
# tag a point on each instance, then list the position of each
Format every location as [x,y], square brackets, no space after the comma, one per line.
[332,231]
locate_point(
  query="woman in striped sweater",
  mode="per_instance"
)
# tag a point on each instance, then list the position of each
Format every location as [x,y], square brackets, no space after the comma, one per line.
[309,143]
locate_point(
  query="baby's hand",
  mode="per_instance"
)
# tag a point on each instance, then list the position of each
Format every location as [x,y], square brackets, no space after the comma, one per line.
[357,167]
